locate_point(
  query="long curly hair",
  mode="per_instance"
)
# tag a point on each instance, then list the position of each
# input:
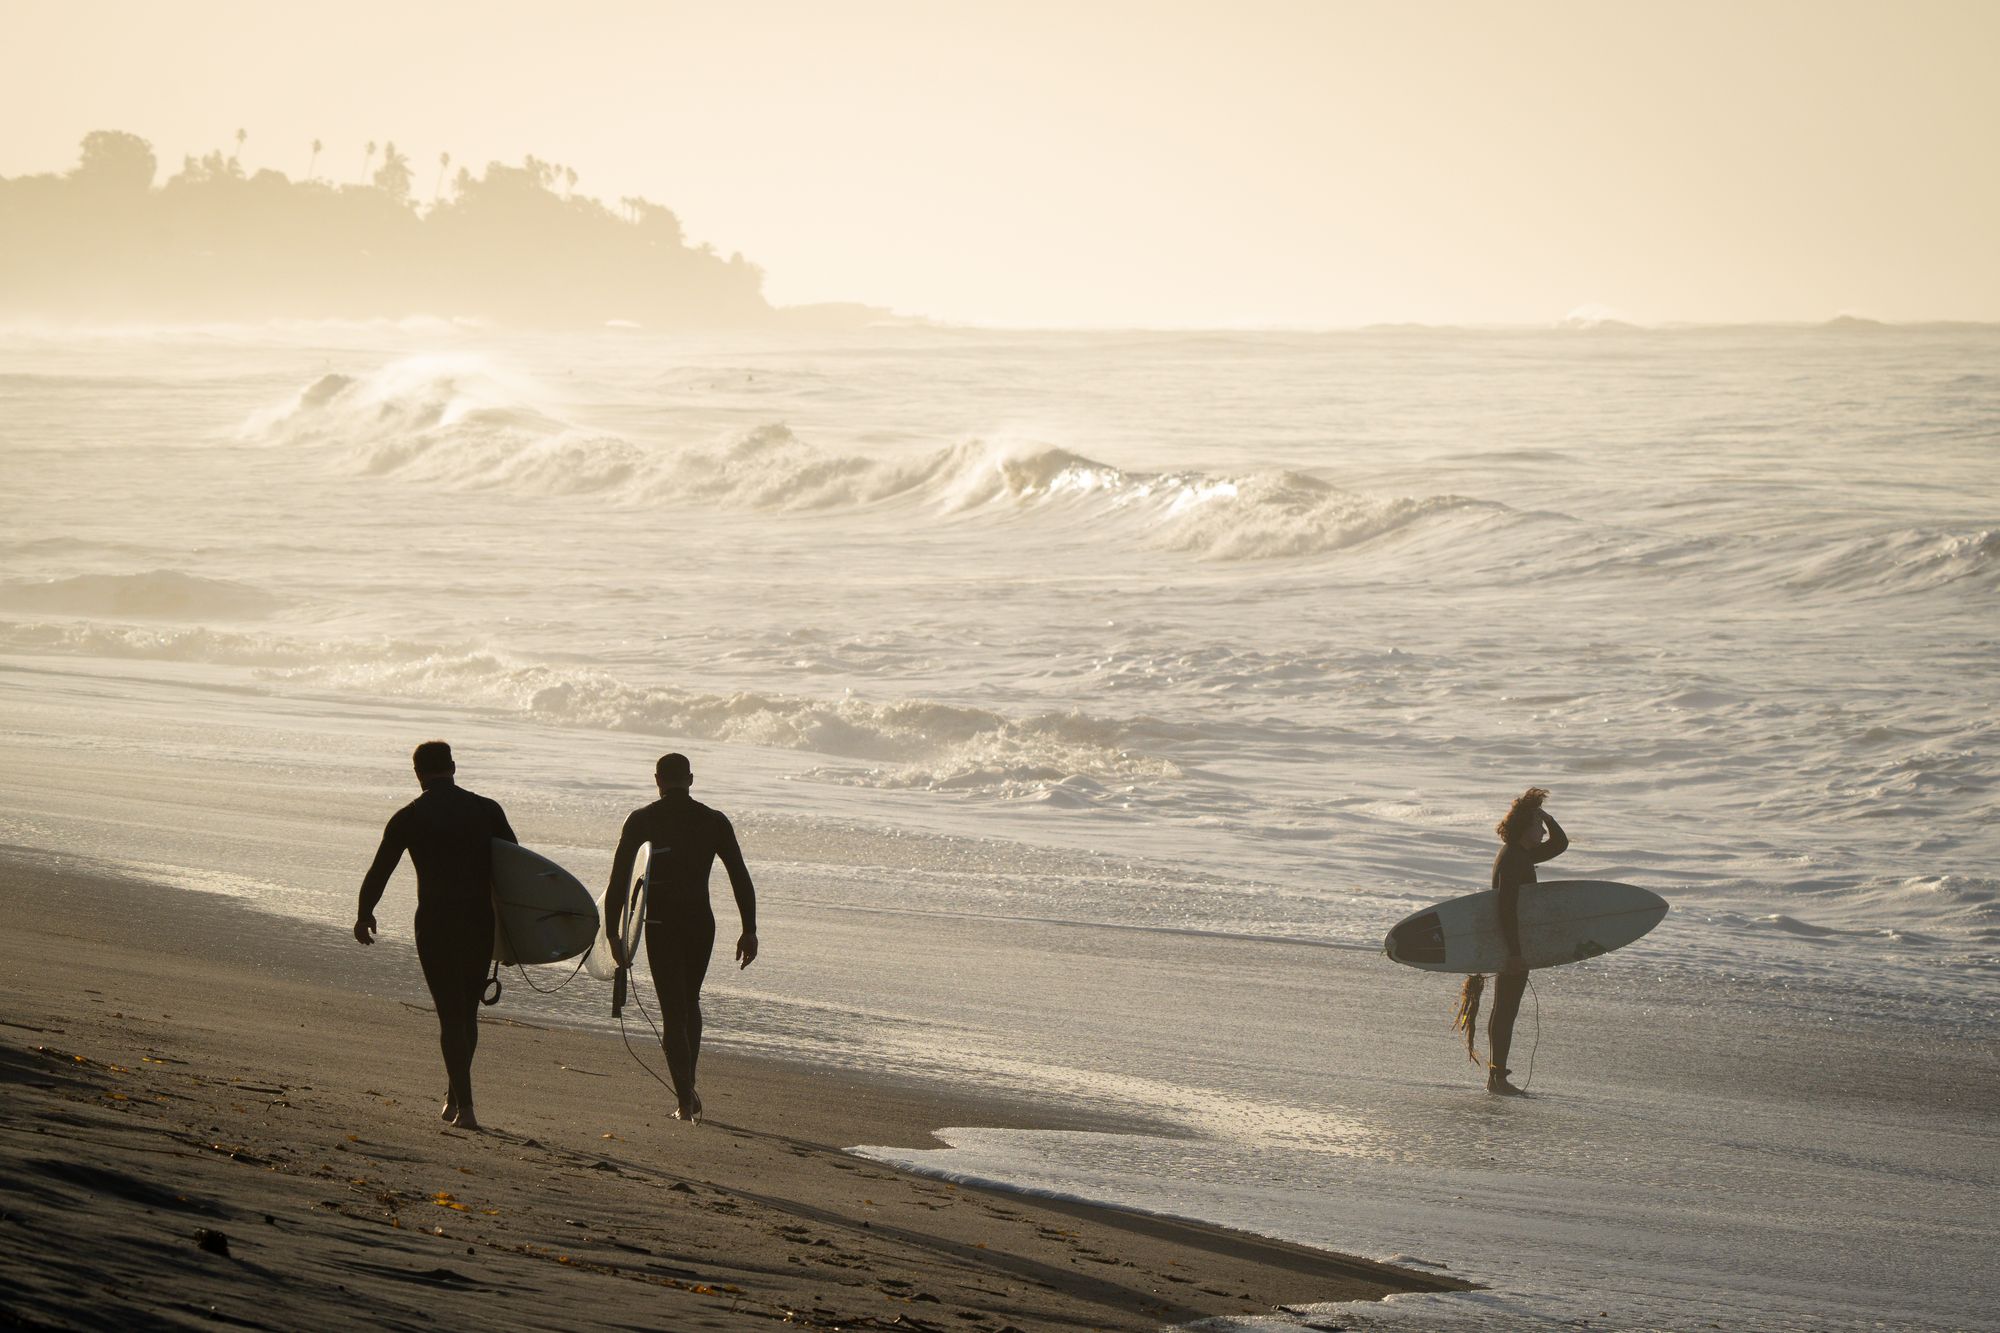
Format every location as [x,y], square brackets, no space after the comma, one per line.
[1466,1017]
[1522,815]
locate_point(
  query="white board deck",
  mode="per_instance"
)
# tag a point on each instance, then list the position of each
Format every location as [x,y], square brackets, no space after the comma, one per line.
[600,962]
[541,912]
[1561,921]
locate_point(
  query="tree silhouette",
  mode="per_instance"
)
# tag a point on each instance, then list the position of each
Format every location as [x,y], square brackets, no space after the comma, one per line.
[394,176]
[515,245]
[368,165]
[241,136]
[115,160]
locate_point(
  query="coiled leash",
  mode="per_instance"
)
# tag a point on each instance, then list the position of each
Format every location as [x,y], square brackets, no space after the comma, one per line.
[491,995]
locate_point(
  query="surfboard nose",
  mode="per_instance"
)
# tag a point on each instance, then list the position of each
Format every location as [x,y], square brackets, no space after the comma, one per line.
[1417,940]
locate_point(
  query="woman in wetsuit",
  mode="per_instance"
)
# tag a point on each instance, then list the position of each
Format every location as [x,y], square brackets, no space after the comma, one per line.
[1529,835]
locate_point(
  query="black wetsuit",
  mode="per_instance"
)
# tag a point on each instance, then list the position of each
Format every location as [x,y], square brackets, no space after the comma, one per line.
[1513,867]
[687,837]
[448,832]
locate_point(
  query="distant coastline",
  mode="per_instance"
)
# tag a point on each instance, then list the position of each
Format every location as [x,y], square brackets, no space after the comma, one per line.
[102,245]
[513,245]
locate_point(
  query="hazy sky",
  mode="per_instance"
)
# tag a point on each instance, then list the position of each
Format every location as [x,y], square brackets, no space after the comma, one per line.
[1143,164]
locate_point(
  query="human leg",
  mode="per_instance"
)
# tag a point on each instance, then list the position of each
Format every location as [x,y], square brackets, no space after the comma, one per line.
[678,944]
[1508,989]
[454,962]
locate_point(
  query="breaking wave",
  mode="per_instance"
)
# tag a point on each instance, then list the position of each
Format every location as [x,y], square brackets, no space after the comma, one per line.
[903,743]
[907,743]
[1906,561]
[449,421]
[459,425]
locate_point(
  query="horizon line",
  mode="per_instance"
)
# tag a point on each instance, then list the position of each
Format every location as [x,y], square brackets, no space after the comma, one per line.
[892,320]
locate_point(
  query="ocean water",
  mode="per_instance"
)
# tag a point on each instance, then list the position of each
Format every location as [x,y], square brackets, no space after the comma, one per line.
[1092,703]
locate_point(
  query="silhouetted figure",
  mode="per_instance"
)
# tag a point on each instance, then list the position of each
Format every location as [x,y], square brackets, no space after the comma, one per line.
[687,837]
[448,832]
[1529,835]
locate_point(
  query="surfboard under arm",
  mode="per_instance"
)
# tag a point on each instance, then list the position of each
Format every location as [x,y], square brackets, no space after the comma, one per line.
[1561,921]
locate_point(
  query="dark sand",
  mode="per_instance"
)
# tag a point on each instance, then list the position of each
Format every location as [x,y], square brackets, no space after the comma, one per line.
[210,1121]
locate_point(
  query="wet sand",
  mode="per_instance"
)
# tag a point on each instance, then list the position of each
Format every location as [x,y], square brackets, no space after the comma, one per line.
[215,1116]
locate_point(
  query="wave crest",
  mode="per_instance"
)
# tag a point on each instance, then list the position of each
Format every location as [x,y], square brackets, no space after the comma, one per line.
[458,424]
[1910,560]
[163,594]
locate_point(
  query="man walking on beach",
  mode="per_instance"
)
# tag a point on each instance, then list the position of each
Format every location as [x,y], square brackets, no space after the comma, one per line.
[686,838]
[449,834]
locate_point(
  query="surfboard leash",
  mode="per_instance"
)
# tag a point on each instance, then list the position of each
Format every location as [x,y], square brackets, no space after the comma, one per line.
[1536,1043]
[644,918]
[657,1036]
[491,995]
[551,990]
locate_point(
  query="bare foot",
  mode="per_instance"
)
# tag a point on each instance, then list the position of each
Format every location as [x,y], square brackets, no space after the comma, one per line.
[1497,1084]
[464,1119]
[689,1110]
[450,1111]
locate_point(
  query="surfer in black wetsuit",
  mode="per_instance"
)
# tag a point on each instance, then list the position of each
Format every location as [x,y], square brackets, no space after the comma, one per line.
[449,834]
[687,838]
[1529,835]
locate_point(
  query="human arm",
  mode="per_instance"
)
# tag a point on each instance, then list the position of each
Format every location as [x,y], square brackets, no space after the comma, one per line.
[502,829]
[376,881]
[746,893]
[1555,844]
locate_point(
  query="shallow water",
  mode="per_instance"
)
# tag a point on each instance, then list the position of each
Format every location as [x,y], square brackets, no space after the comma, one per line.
[1093,703]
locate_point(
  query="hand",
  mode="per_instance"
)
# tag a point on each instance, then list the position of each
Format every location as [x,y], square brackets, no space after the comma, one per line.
[1513,966]
[364,929]
[746,949]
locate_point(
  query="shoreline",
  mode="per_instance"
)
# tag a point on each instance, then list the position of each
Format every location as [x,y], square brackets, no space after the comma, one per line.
[179,1067]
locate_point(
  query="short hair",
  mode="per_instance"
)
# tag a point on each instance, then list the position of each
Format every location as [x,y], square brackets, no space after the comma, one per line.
[1522,814]
[433,757]
[674,768]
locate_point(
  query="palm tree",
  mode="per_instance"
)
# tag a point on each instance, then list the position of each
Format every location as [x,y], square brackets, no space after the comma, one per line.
[368,166]
[569,174]
[317,145]
[394,177]
[444,163]
[241,135]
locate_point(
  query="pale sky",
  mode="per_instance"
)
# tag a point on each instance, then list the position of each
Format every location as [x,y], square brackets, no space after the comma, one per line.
[1169,164]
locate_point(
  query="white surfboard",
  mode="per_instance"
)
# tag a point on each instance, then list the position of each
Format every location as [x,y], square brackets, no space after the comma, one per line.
[629,928]
[541,913]
[1561,921]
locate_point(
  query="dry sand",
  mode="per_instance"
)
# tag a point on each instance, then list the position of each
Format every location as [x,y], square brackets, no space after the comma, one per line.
[210,1119]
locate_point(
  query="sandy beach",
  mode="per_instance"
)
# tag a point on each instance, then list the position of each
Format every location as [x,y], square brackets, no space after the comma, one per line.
[213,1119]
